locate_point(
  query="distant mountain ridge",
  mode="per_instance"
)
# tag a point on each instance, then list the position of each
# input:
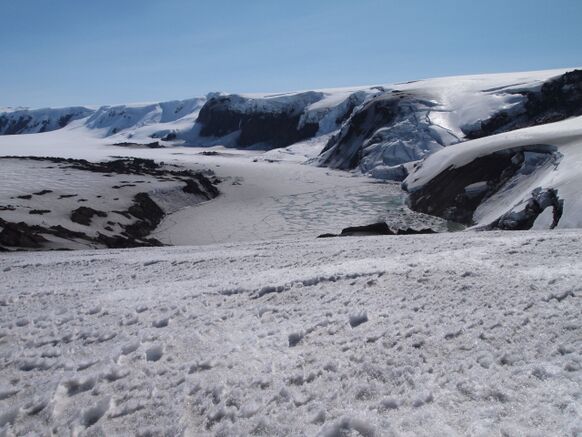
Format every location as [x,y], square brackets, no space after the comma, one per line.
[377,129]
[493,150]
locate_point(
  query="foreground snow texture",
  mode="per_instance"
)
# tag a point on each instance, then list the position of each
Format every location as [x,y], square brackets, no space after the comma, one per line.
[454,334]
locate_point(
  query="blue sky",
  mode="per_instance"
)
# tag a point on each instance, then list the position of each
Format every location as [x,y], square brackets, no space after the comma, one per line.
[66,52]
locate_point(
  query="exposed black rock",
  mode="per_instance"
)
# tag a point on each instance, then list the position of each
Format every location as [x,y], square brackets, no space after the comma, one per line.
[445,196]
[209,188]
[380,228]
[39,211]
[411,231]
[146,213]
[149,214]
[14,125]
[169,137]
[43,192]
[193,188]
[62,232]
[152,145]
[20,235]
[122,213]
[455,193]
[378,112]
[556,100]
[327,235]
[41,120]
[84,214]
[65,120]
[524,219]
[373,229]
[224,115]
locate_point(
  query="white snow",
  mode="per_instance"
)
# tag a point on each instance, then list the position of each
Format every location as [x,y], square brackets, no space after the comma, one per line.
[453,334]
[254,327]
[460,101]
[564,176]
[278,200]
[465,100]
[142,121]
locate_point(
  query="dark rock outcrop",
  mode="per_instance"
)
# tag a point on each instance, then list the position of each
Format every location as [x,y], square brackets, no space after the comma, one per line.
[373,229]
[380,228]
[556,100]
[201,186]
[20,235]
[84,214]
[152,145]
[39,120]
[144,213]
[258,121]
[524,219]
[456,192]
[148,213]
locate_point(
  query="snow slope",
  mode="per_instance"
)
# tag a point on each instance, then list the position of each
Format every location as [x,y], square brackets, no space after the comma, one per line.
[406,122]
[119,123]
[560,143]
[77,204]
[273,332]
[25,121]
[453,334]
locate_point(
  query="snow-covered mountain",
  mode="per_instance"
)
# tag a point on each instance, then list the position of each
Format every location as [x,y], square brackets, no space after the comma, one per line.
[164,120]
[375,129]
[384,131]
[523,171]
[255,326]
[27,121]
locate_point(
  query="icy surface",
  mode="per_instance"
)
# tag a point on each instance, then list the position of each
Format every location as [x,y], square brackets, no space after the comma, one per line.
[272,194]
[431,114]
[265,200]
[453,334]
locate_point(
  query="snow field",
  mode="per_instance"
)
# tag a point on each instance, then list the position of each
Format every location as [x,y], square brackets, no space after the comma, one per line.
[451,334]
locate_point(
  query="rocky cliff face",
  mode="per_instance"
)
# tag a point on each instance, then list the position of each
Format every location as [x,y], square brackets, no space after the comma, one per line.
[556,100]
[385,132]
[274,122]
[508,184]
[455,193]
